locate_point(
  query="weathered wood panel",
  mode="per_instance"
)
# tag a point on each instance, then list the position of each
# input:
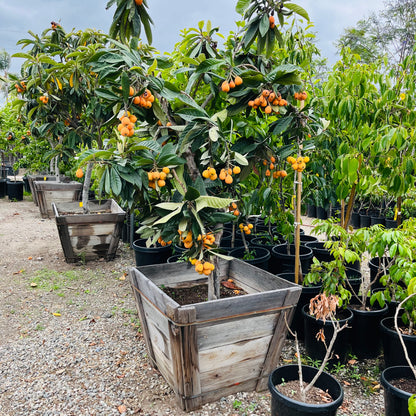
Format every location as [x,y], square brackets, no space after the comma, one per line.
[89,236]
[31,180]
[53,191]
[85,230]
[218,347]
[158,327]
[233,354]
[232,374]
[218,334]
[164,366]
[259,303]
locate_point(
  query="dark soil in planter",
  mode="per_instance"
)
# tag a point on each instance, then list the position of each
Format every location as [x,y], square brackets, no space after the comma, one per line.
[198,293]
[107,211]
[314,396]
[405,384]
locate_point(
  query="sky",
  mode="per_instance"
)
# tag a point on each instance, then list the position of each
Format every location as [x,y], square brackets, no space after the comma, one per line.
[329,17]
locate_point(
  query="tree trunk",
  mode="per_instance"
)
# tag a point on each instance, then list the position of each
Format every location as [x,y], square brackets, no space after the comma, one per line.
[86,188]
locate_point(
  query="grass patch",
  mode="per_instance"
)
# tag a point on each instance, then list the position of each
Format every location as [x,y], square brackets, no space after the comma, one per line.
[52,280]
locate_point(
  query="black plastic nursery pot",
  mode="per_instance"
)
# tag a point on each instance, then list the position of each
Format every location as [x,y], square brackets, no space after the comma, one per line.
[228,244]
[283,261]
[365,220]
[365,332]
[265,242]
[311,210]
[150,255]
[282,405]
[395,399]
[390,223]
[375,219]
[15,190]
[392,348]
[260,260]
[305,239]
[355,220]
[315,348]
[321,213]
[3,188]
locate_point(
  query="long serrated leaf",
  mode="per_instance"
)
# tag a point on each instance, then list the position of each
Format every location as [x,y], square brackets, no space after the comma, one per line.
[116,183]
[205,201]
[298,10]
[240,159]
[178,180]
[264,25]
[170,206]
[166,218]
[213,134]
[241,6]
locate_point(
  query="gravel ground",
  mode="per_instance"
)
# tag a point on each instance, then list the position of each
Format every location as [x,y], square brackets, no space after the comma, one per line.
[70,341]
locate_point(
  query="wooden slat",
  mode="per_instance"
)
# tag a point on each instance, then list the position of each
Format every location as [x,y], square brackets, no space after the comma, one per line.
[86,230]
[254,279]
[212,396]
[164,366]
[156,319]
[277,342]
[142,315]
[232,374]
[233,354]
[190,370]
[240,305]
[152,293]
[224,333]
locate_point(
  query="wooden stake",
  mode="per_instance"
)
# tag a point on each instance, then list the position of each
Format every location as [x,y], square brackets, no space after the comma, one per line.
[298,269]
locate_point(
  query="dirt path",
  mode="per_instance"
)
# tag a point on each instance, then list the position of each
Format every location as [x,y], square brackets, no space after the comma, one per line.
[70,341]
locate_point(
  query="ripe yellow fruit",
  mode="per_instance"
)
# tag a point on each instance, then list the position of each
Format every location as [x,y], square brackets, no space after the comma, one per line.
[238,80]
[228,179]
[166,170]
[225,86]
[79,173]
[236,170]
[306,159]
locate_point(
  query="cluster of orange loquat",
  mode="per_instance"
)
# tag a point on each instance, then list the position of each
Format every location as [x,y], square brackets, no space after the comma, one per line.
[44,99]
[159,178]
[301,96]
[298,164]
[233,209]
[163,243]
[271,169]
[246,228]
[226,86]
[144,100]
[202,267]
[20,87]
[126,127]
[267,100]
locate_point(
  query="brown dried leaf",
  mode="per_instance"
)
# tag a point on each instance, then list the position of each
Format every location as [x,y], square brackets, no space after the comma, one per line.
[122,408]
[230,285]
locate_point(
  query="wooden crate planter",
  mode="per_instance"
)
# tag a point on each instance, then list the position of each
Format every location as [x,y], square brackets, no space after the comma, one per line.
[212,349]
[53,191]
[89,236]
[32,178]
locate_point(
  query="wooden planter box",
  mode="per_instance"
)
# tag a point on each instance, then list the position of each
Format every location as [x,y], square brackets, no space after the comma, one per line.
[33,178]
[89,236]
[212,349]
[53,191]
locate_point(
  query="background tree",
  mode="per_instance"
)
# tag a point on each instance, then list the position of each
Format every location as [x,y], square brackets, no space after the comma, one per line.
[391,32]
[4,67]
